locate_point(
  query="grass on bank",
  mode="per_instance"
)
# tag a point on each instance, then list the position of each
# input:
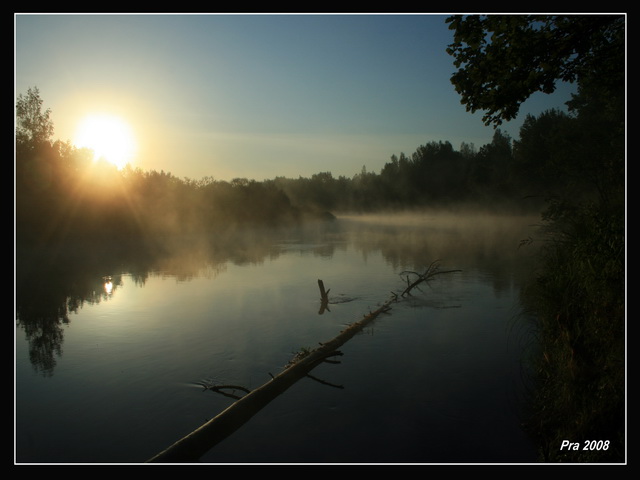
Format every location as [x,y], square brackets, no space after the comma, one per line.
[578,301]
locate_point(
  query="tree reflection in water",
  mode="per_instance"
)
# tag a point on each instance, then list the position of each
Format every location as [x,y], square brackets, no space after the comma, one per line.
[52,285]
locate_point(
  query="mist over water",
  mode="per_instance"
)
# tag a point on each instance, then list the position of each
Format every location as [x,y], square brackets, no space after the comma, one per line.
[483,240]
[438,379]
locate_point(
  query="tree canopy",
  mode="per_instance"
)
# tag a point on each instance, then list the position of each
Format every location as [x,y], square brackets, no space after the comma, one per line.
[33,126]
[577,161]
[503,59]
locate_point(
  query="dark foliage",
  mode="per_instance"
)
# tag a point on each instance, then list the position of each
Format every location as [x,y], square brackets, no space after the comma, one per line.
[577,162]
[569,166]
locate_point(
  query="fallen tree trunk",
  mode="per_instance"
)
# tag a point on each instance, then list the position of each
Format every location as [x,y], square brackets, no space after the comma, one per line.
[200,441]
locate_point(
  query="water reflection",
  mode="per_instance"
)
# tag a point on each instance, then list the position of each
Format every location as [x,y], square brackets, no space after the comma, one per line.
[232,309]
[52,287]
[108,286]
[45,302]
[488,243]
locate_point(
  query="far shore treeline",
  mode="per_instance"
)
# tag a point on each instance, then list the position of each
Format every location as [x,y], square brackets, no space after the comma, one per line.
[62,195]
[569,167]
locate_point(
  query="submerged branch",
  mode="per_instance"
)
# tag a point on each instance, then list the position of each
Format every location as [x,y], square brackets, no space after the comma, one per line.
[221,389]
[324,382]
[432,271]
[191,447]
[200,441]
[324,298]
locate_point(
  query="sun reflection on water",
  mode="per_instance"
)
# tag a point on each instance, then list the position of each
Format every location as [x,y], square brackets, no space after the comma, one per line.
[108,285]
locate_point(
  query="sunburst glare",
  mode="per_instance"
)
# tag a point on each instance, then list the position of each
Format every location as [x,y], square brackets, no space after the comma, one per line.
[110,138]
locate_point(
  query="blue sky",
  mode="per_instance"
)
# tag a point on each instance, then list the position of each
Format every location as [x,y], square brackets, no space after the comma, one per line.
[256,96]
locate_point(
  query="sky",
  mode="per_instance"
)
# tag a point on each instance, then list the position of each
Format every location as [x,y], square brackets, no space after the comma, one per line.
[256,96]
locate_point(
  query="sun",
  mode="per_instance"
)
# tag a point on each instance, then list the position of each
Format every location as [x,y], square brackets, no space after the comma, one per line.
[110,138]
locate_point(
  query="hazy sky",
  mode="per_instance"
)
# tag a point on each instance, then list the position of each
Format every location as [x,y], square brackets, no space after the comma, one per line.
[255,96]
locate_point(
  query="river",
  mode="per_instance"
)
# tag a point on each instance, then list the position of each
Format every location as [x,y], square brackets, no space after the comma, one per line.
[111,357]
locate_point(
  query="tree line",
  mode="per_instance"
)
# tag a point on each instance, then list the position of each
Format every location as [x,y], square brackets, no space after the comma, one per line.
[63,195]
[569,166]
[520,174]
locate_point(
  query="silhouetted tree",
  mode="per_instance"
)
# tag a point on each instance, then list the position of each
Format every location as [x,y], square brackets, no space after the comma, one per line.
[33,126]
[544,155]
[578,295]
[491,168]
[504,59]
[438,171]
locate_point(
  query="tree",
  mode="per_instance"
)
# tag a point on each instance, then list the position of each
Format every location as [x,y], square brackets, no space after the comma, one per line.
[503,59]
[577,296]
[545,156]
[33,126]
[491,168]
[438,171]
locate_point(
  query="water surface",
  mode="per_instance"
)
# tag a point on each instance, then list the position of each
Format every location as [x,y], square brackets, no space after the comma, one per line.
[111,358]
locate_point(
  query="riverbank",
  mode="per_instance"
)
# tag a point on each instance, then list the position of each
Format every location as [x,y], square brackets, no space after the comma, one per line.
[578,409]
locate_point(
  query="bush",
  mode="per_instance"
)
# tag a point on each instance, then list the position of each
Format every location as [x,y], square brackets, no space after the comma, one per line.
[578,301]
